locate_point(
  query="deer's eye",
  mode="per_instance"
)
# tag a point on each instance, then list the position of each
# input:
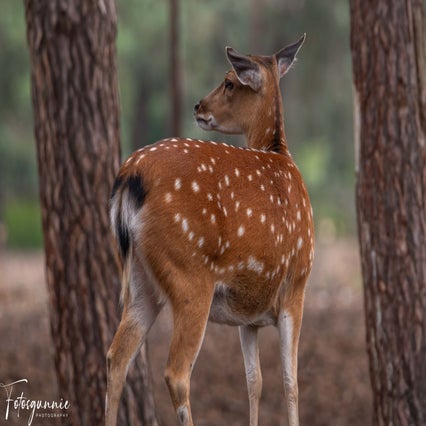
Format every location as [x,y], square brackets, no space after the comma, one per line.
[229,85]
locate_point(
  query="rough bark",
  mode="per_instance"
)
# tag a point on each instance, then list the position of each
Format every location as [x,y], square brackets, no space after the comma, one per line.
[387,42]
[76,120]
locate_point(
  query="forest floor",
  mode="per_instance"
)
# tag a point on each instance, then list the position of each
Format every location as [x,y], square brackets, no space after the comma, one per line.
[333,372]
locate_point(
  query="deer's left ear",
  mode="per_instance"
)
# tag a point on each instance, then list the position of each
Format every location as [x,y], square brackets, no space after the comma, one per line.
[247,71]
[286,56]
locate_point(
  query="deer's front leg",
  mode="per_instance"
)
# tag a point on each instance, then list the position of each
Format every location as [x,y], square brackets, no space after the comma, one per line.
[250,348]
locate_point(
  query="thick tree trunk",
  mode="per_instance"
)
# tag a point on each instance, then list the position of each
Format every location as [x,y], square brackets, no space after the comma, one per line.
[76,119]
[387,41]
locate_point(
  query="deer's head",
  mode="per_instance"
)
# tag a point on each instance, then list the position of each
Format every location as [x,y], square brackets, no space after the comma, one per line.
[247,88]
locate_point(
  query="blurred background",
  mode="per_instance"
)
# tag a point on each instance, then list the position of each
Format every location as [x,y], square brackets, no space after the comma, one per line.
[317,96]
[316,93]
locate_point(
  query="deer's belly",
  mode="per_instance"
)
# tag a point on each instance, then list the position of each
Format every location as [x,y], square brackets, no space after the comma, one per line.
[232,308]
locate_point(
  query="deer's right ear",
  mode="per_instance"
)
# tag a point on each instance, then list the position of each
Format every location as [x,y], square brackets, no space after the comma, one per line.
[247,71]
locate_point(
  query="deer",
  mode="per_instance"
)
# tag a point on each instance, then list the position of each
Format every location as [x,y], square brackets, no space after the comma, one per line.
[219,233]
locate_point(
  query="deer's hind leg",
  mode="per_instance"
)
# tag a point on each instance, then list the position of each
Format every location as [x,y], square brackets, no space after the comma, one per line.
[191,307]
[141,307]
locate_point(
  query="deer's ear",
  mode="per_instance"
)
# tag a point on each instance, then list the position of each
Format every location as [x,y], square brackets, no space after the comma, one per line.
[286,56]
[247,71]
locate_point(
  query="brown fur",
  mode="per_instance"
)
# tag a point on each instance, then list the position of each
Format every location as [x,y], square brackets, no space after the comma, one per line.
[222,232]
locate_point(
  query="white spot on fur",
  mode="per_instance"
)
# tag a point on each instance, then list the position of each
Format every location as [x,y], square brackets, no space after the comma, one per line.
[254,265]
[299,243]
[213,218]
[241,231]
[263,218]
[168,197]
[200,242]
[237,173]
[178,184]
[195,186]
[249,212]
[185,225]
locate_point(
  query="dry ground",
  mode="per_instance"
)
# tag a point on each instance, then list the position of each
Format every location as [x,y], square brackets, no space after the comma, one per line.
[333,375]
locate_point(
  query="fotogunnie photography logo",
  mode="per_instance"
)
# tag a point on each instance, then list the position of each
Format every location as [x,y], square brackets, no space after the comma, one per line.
[19,405]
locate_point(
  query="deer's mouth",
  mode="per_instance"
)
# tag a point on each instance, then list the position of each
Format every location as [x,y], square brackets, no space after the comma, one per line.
[205,122]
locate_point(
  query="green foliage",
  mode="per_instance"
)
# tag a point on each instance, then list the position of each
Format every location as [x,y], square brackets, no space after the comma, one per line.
[23,224]
[17,156]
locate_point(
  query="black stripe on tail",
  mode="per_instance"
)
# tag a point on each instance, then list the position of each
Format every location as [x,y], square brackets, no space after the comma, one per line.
[136,190]
[135,198]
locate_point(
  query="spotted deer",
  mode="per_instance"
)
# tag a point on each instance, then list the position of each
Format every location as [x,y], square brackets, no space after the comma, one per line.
[220,233]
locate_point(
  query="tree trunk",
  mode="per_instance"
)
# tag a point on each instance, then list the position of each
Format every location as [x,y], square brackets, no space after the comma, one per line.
[140,135]
[76,119]
[387,41]
[175,68]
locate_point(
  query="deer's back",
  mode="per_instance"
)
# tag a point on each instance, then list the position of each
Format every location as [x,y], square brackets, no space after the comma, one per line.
[239,216]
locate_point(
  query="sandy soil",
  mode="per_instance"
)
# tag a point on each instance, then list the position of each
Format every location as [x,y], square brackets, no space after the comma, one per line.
[333,372]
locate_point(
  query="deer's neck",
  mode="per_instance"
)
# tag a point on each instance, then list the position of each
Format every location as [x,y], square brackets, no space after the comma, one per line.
[269,133]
